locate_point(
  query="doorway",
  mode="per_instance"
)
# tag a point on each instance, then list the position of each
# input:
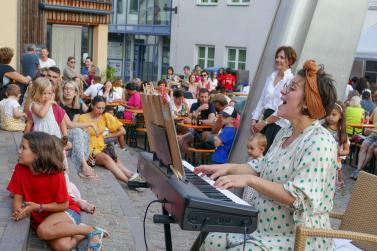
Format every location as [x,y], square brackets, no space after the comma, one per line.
[146,57]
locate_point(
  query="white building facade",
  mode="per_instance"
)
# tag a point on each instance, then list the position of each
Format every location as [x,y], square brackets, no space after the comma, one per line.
[220,33]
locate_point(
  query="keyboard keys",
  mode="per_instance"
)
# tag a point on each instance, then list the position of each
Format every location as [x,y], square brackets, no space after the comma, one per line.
[204,187]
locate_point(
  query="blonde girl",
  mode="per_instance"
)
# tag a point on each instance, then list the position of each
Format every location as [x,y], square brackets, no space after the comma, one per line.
[43,98]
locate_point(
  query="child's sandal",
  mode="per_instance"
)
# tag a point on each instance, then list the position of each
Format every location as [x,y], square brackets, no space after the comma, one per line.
[101,233]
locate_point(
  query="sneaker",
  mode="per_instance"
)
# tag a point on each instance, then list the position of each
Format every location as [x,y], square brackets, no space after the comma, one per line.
[355,174]
[136,177]
[123,149]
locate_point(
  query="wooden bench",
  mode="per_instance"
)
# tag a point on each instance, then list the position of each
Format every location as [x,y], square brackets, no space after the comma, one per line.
[129,126]
[143,131]
[126,122]
[205,154]
[16,233]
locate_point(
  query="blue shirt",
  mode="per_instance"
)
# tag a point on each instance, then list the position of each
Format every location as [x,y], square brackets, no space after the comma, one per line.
[29,63]
[86,71]
[367,105]
[221,154]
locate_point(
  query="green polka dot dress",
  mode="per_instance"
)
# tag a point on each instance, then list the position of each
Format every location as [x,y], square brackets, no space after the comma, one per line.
[307,170]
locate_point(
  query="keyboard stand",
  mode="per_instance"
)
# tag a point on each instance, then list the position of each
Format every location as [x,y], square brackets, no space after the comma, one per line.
[167,232]
[199,240]
[165,219]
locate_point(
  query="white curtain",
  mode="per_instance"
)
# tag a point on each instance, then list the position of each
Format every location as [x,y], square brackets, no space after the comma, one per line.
[66,42]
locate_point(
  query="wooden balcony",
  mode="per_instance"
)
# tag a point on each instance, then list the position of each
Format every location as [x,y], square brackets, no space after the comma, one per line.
[84,12]
[36,14]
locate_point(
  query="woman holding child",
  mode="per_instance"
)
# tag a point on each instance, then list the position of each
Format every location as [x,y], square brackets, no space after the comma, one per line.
[295,181]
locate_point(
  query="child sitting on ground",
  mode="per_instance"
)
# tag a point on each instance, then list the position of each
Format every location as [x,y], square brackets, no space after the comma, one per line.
[255,147]
[223,142]
[40,189]
[11,113]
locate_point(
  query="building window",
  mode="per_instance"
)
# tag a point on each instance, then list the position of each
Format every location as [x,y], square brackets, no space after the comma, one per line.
[207,2]
[205,56]
[120,7]
[371,71]
[236,58]
[238,2]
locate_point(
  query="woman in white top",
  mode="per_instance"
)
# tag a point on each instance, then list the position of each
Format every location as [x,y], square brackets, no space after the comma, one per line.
[193,86]
[118,87]
[180,106]
[213,80]
[108,92]
[270,99]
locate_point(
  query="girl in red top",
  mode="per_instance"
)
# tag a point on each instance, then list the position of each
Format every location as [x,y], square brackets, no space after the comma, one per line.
[39,189]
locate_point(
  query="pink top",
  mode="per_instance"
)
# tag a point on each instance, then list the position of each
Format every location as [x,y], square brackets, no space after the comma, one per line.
[135,102]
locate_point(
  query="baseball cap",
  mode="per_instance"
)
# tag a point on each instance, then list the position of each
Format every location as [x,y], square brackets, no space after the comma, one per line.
[366,93]
[229,111]
[130,87]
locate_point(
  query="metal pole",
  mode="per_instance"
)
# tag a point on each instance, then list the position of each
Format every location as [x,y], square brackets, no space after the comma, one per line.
[168,243]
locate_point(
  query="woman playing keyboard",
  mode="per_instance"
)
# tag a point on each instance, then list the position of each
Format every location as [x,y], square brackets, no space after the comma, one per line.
[295,181]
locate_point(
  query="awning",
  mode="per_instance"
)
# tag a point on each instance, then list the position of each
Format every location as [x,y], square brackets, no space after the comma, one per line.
[367,47]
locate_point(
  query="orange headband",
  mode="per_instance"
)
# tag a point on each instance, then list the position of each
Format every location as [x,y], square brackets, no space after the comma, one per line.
[313,98]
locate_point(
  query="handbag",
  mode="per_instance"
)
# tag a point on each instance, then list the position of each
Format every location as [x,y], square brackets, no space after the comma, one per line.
[109,150]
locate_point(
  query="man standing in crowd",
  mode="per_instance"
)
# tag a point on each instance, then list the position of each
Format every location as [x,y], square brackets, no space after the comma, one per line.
[88,66]
[30,62]
[229,80]
[44,60]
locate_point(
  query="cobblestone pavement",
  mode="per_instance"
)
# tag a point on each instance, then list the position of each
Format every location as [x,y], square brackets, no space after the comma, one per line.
[121,210]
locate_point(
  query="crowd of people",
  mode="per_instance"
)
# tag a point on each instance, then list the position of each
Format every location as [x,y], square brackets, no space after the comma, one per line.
[300,137]
[57,123]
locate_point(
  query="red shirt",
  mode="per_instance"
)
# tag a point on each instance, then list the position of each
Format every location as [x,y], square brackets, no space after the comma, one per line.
[236,121]
[229,81]
[40,189]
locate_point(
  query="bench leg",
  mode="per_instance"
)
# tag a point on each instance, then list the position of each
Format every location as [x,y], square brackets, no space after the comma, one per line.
[145,142]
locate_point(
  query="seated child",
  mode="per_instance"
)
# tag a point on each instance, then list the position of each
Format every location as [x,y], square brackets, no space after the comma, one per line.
[255,147]
[40,189]
[10,110]
[223,142]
